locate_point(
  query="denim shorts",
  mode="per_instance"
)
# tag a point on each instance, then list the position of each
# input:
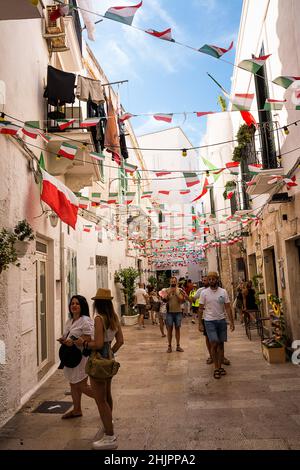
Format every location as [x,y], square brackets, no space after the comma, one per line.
[174,318]
[216,330]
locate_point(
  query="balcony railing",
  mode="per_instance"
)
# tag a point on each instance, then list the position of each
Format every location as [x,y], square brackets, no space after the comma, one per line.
[75,111]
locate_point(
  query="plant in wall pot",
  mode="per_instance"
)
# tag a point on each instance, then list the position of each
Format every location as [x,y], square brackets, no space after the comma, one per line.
[12,244]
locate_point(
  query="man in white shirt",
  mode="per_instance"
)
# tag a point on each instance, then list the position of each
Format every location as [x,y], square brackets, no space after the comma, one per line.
[141,298]
[214,301]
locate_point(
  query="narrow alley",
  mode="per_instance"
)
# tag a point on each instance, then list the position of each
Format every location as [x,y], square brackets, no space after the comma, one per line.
[172,402]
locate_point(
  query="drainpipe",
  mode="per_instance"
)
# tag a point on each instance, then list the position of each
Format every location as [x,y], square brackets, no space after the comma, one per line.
[62,276]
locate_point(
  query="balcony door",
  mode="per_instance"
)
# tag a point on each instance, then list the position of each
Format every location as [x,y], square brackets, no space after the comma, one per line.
[102,272]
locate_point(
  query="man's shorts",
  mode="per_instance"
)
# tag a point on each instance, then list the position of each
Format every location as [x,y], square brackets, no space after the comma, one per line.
[141,309]
[174,318]
[216,330]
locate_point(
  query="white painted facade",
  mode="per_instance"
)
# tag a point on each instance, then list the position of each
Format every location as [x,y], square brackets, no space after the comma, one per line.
[60,261]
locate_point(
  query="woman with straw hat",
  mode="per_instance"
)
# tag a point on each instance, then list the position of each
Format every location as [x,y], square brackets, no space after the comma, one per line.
[107,329]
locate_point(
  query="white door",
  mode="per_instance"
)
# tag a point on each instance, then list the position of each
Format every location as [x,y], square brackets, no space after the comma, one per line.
[102,272]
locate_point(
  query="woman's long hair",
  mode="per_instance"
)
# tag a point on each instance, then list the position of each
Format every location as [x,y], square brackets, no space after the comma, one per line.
[106,308]
[84,306]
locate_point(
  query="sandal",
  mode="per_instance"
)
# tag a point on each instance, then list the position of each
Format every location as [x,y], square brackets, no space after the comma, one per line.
[169,350]
[179,349]
[226,361]
[217,374]
[71,414]
[209,360]
[222,371]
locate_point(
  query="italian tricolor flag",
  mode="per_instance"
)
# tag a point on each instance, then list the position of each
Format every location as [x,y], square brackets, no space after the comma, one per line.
[129,168]
[191,179]
[166,34]
[97,156]
[128,198]
[96,199]
[163,117]
[31,131]
[64,123]
[125,116]
[233,167]
[253,65]
[112,198]
[162,173]
[83,202]
[123,14]
[8,128]
[60,198]
[214,51]
[285,81]
[275,105]
[90,122]
[242,101]
[67,150]
[255,168]
[146,195]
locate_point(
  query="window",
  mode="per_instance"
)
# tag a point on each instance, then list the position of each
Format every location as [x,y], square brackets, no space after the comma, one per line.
[161,217]
[265,117]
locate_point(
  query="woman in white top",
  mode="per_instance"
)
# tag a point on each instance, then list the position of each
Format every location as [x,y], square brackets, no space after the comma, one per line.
[107,328]
[79,325]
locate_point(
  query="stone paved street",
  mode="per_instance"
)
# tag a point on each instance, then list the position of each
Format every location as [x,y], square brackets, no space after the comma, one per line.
[171,401]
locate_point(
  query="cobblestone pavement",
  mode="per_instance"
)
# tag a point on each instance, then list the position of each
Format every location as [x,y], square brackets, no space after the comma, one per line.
[171,401]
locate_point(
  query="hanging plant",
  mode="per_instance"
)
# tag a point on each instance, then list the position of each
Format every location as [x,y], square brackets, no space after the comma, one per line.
[229,186]
[244,137]
[10,240]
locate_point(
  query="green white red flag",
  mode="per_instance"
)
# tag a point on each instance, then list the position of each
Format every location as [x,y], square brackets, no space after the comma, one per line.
[233,167]
[125,116]
[255,168]
[97,156]
[275,105]
[253,65]
[123,14]
[241,101]
[191,179]
[166,35]
[129,197]
[60,198]
[90,122]
[112,198]
[96,199]
[215,51]
[130,168]
[65,123]
[204,190]
[83,202]
[285,81]
[67,150]
[162,173]
[7,128]
[163,117]
[146,195]
[31,131]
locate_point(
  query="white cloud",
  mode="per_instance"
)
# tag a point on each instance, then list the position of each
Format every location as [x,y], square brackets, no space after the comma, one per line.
[209,5]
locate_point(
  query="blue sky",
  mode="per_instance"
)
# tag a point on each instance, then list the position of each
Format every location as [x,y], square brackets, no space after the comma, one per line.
[165,77]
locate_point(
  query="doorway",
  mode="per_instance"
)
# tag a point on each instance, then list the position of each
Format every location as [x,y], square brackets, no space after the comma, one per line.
[270,269]
[42,311]
[102,272]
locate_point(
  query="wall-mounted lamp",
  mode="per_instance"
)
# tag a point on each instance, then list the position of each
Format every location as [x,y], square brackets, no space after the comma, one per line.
[53,219]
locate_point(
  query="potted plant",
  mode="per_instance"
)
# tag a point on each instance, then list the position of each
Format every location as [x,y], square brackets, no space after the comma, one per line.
[274,348]
[24,234]
[244,137]
[153,282]
[127,277]
[14,244]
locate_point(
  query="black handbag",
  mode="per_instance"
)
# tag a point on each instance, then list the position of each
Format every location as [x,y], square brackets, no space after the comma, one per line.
[70,356]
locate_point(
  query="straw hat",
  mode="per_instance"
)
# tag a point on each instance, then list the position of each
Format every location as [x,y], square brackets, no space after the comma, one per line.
[213,274]
[103,294]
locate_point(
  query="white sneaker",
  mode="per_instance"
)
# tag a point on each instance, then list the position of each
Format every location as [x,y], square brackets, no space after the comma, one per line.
[107,442]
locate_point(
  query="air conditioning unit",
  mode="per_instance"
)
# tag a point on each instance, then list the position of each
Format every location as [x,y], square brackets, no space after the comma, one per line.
[54,31]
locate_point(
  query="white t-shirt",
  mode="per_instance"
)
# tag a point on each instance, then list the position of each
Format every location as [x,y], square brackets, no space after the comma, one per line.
[214,302]
[82,326]
[140,299]
[198,293]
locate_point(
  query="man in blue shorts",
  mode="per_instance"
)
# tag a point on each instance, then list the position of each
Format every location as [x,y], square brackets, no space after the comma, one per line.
[175,297]
[214,301]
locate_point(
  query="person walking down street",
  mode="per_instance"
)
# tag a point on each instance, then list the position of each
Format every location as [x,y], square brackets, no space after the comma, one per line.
[155,304]
[141,298]
[195,303]
[162,314]
[80,325]
[175,297]
[214,301]
[107,329]
[250,307]
[238,303]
